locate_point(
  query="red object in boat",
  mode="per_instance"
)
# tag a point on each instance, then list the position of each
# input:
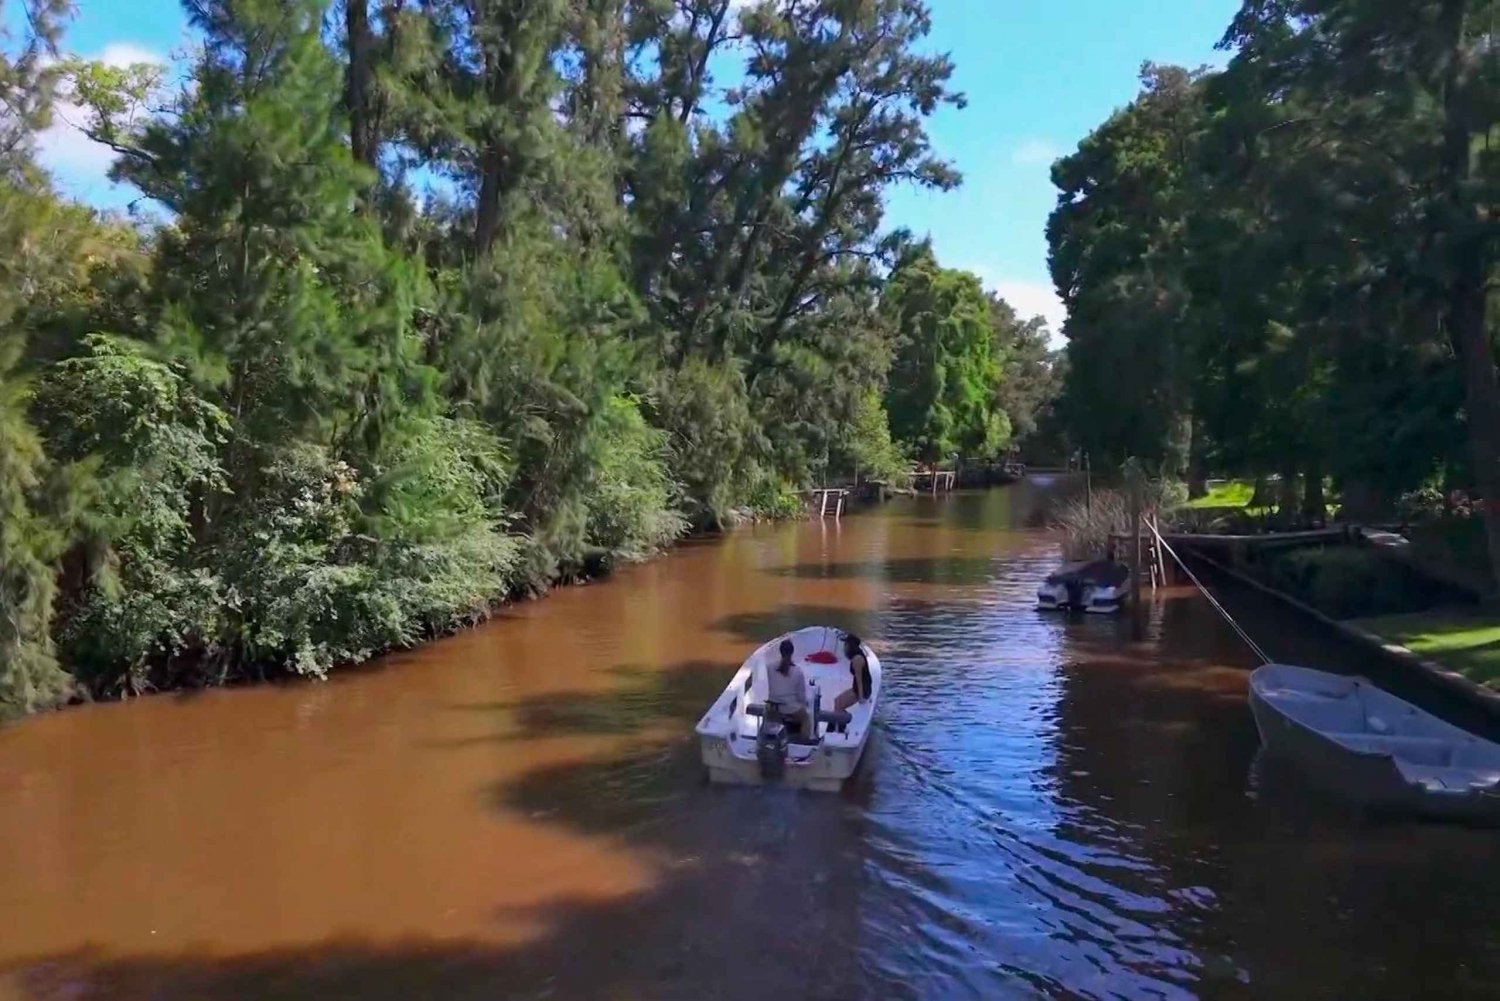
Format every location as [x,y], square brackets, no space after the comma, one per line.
[822,657]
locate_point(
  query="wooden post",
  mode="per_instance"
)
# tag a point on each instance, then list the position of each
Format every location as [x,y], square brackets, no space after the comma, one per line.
[1133,480]
[1088,485]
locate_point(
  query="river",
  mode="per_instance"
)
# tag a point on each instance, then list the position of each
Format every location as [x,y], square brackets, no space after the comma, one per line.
[1047,808]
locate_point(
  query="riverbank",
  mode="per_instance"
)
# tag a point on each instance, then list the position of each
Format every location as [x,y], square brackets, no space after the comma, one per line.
[1462,643]
[185,674]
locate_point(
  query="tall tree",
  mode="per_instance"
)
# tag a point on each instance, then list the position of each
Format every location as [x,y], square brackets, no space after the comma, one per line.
[1417,84]
[35,494]
[942,395]
[1116,251]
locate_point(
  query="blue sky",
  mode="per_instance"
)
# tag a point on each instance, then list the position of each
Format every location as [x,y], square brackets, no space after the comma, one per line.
[1039,74]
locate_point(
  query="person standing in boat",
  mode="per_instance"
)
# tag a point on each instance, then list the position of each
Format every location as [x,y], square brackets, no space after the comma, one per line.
[860,679]
[786,686]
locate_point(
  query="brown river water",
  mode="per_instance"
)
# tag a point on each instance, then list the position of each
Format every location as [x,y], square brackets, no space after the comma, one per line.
[1047,809]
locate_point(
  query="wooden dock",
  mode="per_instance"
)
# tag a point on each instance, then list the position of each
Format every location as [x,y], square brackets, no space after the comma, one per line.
[1267,540]
[934,479]
[829,500]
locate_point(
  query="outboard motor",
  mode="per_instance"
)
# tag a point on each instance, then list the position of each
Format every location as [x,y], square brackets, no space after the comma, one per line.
[771,743]
[1075,592]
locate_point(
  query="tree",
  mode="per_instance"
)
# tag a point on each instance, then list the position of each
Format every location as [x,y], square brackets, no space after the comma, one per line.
[1412,86]
[943,382]
[1116,252]
[458,298]
[39,499]
[1029,381]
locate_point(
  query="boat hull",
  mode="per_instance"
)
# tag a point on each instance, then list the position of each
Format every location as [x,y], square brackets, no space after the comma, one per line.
[1097,587]
[727,731]
[1371,778]
[1094,601]
[825,770]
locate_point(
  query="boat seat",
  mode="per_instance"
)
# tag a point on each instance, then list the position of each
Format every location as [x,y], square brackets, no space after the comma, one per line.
[1421,751]
[837,720]
[1435,778]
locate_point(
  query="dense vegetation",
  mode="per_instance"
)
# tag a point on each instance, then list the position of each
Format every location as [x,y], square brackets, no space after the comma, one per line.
[1288,267]
[451,300]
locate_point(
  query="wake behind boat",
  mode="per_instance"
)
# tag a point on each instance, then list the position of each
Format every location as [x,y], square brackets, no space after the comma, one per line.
[1365,744]
[742,743]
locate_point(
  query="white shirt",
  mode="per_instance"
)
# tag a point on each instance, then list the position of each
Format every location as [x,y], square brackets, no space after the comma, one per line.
[789,690]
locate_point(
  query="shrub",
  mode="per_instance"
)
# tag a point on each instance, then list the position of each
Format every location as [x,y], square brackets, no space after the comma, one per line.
[1347,582]
[1086,525]
[326,566]
[629,501]
[713,439]
[158,449]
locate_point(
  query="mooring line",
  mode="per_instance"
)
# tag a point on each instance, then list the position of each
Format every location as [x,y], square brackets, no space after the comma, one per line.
[1239,630]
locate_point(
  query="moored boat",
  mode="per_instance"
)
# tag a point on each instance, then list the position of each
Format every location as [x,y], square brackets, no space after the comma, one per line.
[1366,745]
[742,743]
[1094,586]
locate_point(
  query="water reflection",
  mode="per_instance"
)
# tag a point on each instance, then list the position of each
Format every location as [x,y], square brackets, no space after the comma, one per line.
[1048,809]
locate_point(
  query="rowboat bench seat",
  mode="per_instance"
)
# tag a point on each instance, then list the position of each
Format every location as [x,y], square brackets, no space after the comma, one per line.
[1426,751]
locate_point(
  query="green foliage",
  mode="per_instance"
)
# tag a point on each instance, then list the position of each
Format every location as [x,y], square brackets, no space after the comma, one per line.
[713,440]
[315,581]
[867,445]
[1286,263]
[28,79]
[157,447]
[942,392]
[630,503]
[1116,242]
[32,539]
[1227,494]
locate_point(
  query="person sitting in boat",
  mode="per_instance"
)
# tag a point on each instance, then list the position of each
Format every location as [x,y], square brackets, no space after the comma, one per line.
[860,680]
[786,686]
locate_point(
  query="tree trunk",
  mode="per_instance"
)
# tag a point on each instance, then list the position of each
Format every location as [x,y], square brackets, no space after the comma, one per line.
[487,207]
[1260,496]
[1361,501]
[1197,478]
[359,81]
[1466,306]
[1288,495]
[1314,504]
[1468,272]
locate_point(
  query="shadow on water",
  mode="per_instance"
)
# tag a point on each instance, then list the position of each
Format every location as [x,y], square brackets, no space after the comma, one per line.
[872,625]
[732,868]
[641,698]
[961,570]
[758,627]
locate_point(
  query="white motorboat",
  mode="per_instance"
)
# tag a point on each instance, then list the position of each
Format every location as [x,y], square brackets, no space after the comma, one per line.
[742,743]
[1360,742]
[1095,586]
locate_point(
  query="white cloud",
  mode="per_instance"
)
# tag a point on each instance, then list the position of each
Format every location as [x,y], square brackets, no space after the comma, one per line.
[78,163]
[1034,153]
[128,54]
[1031,298]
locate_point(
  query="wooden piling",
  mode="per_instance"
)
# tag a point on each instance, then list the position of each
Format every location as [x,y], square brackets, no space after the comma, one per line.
[1134,481]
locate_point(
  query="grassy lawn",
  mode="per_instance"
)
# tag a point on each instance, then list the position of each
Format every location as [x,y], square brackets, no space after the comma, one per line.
[1229,493]
[1465,642]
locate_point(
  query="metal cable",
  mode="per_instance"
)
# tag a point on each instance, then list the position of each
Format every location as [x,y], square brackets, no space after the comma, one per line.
[1254,647]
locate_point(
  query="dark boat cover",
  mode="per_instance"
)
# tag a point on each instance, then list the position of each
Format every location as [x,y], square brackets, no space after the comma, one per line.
[1105,573]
